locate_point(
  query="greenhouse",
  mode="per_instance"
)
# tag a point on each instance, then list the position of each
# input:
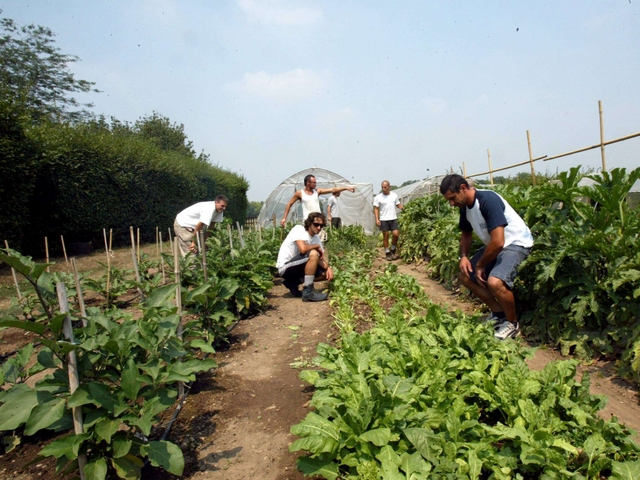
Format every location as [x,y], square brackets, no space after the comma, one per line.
[419,189]
[355,208]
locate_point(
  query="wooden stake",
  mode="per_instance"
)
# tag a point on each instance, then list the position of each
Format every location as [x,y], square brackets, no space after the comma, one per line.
[176,271]
[204,254]
[240,236]
[162,261]
[464,169]
[533,172]
[602,143]
[490,167]
[157,243]
[135,263]
[274,220]
[64,250]
[170,239]
[74,378]
[83,311]
[259,228]
[46,250]
[138,248]
[107,249]
[231,241]
[13,273]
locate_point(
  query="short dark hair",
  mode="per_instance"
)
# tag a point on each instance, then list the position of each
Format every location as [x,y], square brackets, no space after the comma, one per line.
[222,198]
[307,178]
[312,217]
[452,183]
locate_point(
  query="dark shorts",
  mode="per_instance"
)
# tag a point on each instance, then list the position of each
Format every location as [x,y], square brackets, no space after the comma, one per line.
[336,222]
[505,266]
[388,225]
[295,269]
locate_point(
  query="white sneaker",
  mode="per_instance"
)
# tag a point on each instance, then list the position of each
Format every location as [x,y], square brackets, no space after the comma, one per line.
[506,329]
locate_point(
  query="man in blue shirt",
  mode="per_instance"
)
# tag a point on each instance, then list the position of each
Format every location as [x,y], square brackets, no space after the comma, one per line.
[491,271]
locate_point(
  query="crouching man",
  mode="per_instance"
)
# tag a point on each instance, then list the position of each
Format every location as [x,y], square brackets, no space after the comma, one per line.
[490,272]
[301,259]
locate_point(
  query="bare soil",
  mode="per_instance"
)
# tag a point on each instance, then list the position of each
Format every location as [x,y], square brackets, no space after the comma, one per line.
[236,421]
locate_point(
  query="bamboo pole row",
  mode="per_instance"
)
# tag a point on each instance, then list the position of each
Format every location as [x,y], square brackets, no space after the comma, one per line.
[601,145]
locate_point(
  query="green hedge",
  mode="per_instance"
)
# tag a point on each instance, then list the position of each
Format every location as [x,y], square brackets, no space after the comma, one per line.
[88,177]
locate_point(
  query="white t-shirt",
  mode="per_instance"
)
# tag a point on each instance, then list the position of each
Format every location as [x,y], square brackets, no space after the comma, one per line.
[310,203]
[333,203]
[204,212]
[387,205]
[289,248]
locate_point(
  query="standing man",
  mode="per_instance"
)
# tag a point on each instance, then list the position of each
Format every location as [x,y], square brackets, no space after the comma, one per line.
[333,212]
[384,209]
[301,259]
[192,219]
[308,196]
[490,273]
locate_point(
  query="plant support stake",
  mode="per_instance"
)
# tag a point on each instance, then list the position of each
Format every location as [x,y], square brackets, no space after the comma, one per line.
[83,311]
[74,379]
[176,271]
[135,263]
[13,273]
[64,250]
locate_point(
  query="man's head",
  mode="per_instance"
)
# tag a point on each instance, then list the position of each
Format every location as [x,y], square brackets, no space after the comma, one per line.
[386,187]
[314,222]
[310,181]
[336,194]
[221,203]
[456,190]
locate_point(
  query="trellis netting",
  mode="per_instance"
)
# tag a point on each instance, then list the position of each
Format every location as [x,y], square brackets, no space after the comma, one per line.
[355,208]
[419,189]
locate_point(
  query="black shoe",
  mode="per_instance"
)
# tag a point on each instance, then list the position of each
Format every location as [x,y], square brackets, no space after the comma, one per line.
[293,288]
[310,294]
[389,256]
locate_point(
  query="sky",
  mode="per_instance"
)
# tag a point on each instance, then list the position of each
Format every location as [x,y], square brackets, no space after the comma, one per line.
[368,89]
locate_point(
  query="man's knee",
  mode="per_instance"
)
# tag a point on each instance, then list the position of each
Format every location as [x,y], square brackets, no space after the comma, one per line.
[496,285]
[313,254]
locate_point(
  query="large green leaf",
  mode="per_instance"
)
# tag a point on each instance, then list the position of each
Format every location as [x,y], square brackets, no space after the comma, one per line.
[96,469]
[316,466]
[625,470]
[319,435]
[68,446]
[378,436]
[159,296]
[131,381]
[45,415]
[16,409]
[8,321]
[166,455]
[106,428]
[128,467]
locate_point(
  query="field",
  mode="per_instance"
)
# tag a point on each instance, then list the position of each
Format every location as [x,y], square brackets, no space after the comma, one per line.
[236,420]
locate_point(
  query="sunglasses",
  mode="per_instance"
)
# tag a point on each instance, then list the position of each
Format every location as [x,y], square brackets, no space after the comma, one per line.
[318,224]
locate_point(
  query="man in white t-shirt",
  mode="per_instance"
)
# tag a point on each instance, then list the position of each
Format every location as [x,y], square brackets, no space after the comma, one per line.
[308,196]
[190,221]
[301,259]
[333,211]
[384,209]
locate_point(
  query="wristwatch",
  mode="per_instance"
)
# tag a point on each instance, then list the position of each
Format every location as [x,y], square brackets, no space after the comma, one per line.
[462,256]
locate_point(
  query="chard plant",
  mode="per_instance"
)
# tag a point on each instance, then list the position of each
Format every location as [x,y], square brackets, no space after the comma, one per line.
[427,394]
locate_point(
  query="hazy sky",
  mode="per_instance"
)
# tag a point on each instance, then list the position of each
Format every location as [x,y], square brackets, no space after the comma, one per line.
[371,90]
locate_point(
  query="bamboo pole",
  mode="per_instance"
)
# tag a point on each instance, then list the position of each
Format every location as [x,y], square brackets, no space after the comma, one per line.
[274,220]
[507,167]
[79,296]
[176,271]
[597,145]
[106,249]
[64,250]
[231,241]
[138,244]
[464,169]
[490,167]
[162,262]
[204,254]
[135,263]
[240,236]
[602,143]
[157,243]
[533,172]
[46,250]
[74,378]
[170,238]
[13,273]
[259,228]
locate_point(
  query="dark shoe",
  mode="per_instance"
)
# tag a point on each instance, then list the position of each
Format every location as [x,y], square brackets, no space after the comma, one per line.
[389,256]
[310,294]
[394,254]
[293,288]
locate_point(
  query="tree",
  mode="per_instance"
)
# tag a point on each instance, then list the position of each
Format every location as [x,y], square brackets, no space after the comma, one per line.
[35,76]
[164,134]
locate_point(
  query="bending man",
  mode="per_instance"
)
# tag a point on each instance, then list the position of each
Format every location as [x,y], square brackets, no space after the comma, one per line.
[190,221]
[490,273]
